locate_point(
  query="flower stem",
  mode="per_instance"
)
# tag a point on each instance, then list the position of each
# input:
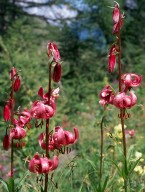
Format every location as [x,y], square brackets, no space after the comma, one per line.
[122,111]
[101,147]
[47,125]
[12,122]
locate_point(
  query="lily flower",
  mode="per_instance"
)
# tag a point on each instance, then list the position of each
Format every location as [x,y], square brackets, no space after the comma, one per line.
[24,118]
[131,80]
[106,96]
[41,165]
[42,142]
[62,137]
[41,111]
[17,132]
[121,100]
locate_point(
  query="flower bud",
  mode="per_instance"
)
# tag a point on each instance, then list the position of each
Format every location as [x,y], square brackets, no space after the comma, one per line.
[17,84]
[53,50]
[112,59]
[57,73]
[13,73]
[6,142]
[6,113]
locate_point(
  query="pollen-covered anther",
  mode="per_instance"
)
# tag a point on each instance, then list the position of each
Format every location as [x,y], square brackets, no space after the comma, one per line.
[119,115]
[129,115]
[17,145]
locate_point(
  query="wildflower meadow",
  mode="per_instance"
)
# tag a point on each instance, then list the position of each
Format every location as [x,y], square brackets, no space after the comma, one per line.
[71,126]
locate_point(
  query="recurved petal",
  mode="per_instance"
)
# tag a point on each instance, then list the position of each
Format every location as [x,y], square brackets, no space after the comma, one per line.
[55,162]
[133,98]
[41,92]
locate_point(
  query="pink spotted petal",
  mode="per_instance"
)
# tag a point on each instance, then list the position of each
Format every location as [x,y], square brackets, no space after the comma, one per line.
[41,92]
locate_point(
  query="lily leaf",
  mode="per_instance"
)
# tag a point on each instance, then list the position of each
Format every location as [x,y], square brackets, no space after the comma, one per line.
[11,184]
[18,187]
[5,184]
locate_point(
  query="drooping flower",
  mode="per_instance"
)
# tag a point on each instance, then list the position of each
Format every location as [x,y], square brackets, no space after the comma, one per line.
[41,165]
[17,132]
[6,113]
[39,110]
[57,73]
[121,100]
[42,142]
[131,80]
[62,137]
[106,96]
[53,50]
[6,142]
[24,118]
[17,84]
[112,58]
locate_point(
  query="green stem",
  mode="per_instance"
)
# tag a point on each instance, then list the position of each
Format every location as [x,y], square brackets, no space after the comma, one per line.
[47,126]
[101,147]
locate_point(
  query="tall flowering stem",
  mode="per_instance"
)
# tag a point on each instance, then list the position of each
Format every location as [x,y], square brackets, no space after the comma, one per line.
[12,123]
[122,111]
[50,140]
[124,98]
[48,122]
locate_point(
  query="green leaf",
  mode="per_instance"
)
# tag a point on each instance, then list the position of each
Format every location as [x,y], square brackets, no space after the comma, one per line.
[93,181]
[132,166]
[92,164]
[19,185]
[105,183]
[119,170]
[11,184]
[5,184]
[42,190]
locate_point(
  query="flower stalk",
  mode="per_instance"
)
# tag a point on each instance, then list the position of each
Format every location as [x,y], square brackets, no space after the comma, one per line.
[122,111]
[101,147]
[48,122]
[12,123]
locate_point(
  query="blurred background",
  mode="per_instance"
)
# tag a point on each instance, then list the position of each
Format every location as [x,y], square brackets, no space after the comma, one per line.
[82,30]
